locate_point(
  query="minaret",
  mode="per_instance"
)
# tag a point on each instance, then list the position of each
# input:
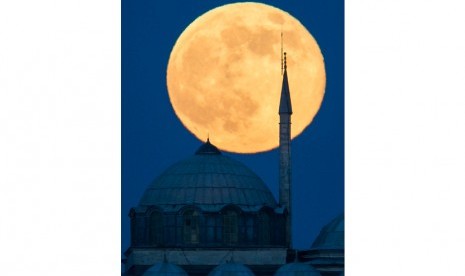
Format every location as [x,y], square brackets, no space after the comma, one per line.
[285,112]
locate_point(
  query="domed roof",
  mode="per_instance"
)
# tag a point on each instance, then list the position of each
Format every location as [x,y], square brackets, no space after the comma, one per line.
[231,269]
[295,269]
[331,235]
[210,181]
[165,269]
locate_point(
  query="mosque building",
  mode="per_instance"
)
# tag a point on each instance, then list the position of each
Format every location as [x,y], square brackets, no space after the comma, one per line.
[211,215]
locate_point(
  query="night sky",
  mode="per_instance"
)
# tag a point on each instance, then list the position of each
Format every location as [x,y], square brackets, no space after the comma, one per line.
[153,138]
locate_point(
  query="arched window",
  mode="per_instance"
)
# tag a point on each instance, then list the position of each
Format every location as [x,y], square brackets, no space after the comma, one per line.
[264,228]
[230,227]
[156,228]
[191,227]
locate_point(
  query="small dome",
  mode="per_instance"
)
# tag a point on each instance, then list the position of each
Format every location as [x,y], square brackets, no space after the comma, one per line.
[297,269]
[331,235]
[165,269]
[231,269]
[210,181]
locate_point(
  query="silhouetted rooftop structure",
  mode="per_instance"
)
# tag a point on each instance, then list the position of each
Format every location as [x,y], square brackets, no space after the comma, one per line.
[331,235]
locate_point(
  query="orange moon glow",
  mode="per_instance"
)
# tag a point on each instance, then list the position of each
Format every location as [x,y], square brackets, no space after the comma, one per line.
[224,76]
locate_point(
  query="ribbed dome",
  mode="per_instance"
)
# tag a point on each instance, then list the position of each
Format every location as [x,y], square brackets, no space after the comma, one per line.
[297,269]
[331,235]
[231,269]
[165,269]
[210,181]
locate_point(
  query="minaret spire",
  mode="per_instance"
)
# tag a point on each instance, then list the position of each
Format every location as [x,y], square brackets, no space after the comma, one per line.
[285,106]
[285,112]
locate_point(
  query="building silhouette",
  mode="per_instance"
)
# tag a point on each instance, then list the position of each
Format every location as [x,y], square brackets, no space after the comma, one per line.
[211,215]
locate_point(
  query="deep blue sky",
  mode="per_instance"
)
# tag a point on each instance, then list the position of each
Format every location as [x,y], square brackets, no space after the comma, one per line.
[153,138]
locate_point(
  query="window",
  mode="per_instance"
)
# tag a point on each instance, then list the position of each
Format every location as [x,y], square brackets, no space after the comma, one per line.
[191,227]
[230,227]
[264,228]
[213,226]
[169,237]
[249,227]
[156,228]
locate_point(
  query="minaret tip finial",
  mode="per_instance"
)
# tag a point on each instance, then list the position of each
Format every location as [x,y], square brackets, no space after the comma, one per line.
[208,137]
[282,66]
[285,62]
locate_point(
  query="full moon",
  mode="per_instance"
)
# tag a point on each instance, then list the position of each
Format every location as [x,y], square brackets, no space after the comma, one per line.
[224,76]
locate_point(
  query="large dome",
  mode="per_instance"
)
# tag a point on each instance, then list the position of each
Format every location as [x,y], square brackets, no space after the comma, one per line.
[210,181]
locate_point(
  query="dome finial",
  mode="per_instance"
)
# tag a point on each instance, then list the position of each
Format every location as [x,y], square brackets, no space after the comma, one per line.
[208,148]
